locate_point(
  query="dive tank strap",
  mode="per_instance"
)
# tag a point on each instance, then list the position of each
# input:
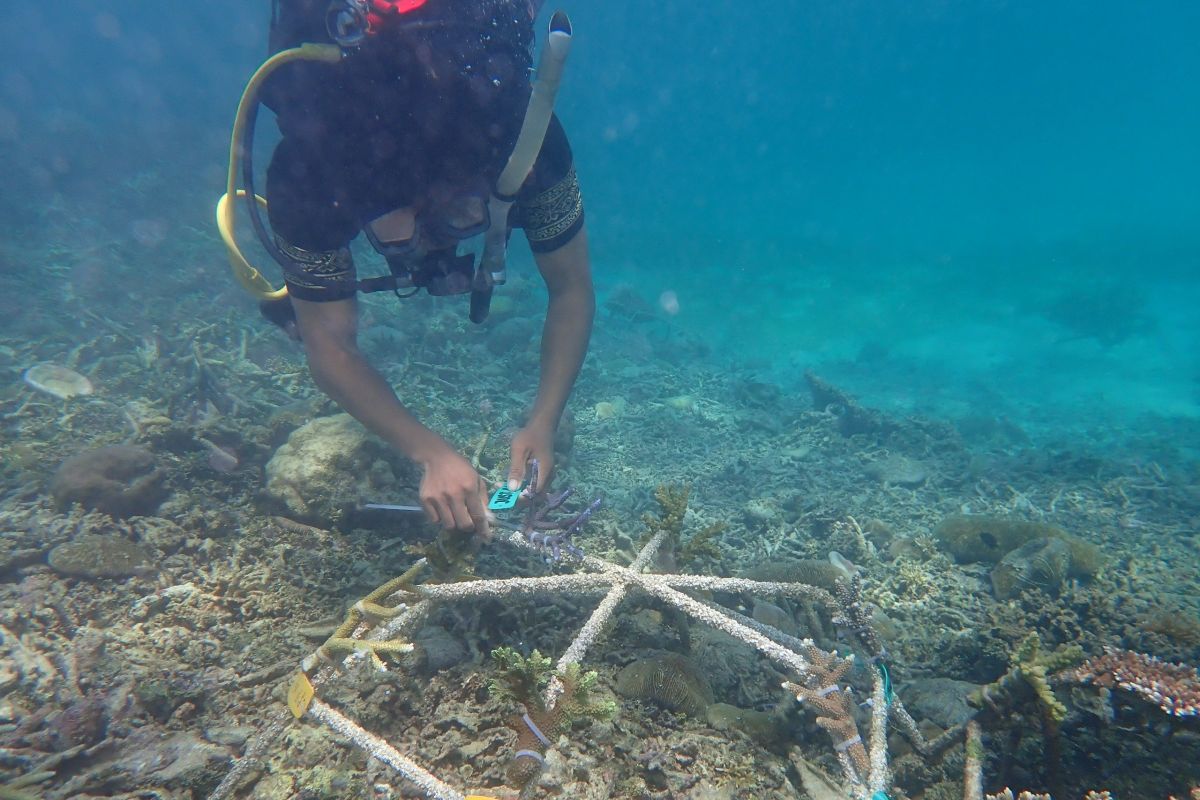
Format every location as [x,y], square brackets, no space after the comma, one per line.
[385,283]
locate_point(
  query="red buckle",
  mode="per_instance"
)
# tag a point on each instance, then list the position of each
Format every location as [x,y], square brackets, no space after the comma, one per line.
[381,10]
[396,6]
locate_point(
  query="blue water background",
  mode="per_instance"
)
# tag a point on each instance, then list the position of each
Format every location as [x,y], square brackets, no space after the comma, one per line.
[950,208]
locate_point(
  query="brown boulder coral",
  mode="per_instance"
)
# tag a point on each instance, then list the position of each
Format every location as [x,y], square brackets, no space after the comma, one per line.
[120,480]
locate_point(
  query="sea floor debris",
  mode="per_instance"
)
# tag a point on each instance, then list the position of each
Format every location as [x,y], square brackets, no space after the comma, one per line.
[801,658]
[58,381]
[195,645]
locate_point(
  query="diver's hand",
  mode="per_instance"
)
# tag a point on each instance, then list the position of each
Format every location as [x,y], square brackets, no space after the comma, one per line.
[453,494]
[532,441]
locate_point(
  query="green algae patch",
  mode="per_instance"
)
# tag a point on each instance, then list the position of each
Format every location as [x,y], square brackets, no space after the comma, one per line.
[813,571]
[987,539]
[98,556]
[758,725]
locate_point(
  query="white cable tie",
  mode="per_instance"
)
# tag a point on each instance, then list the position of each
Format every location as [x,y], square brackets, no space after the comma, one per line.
[846,745]
[535,730]
[534,754]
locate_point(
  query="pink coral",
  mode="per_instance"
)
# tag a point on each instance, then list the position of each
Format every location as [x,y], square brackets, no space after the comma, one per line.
[1175,688]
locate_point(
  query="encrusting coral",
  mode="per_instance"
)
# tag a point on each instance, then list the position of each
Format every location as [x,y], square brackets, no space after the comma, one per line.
[120,480]
[988,539]
[1174,688]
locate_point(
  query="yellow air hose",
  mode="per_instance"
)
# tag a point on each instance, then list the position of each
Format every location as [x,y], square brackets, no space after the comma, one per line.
[250,278]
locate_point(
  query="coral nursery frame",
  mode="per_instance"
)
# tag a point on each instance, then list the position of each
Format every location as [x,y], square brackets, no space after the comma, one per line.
[373,627]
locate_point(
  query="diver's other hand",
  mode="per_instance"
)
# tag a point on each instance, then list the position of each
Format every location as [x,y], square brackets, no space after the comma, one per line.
[453,494]
[532,441]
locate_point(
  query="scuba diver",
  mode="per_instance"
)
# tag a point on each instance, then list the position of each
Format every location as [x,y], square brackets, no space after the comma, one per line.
[417,124]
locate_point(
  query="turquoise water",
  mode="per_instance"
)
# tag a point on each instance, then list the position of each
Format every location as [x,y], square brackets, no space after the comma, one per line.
[978,220]
[934,182]
[931,179]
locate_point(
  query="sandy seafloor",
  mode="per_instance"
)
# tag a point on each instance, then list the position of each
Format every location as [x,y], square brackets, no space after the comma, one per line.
[149,683]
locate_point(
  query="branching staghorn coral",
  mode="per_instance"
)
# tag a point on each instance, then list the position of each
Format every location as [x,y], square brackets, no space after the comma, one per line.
[523,680]
[854,614]
[673,505]
[1031,668]
[367,610]
[552,535]
[834,707]
[319,668]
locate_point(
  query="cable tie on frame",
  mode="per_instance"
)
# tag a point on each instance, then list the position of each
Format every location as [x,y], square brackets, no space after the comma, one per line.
[535,730]
[846,745]
[534,754]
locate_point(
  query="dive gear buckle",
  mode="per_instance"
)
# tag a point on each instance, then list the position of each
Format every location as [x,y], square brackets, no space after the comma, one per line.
[348,22]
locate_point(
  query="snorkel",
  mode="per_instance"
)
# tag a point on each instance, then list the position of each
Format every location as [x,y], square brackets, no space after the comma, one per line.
[493,264]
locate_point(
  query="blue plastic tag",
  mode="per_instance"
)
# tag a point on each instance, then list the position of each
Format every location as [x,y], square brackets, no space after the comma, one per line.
[503,499]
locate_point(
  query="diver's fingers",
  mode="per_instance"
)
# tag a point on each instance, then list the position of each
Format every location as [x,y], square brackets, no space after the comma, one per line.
[479,515]
[431,510]
[516,472]
[461,518]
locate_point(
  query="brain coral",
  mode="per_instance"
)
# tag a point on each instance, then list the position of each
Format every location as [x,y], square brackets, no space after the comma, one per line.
[988,539]
[1041,563]
[668,680]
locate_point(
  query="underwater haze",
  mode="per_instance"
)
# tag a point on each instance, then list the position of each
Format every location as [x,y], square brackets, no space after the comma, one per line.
[957,208]
[961,208]
[896,303]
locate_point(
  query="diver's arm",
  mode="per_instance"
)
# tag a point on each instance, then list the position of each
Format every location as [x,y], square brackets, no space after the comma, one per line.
[329,332]
[572,306]
[451,491]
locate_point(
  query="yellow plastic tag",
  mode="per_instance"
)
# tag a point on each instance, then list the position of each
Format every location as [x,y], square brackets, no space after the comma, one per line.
[300,695]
